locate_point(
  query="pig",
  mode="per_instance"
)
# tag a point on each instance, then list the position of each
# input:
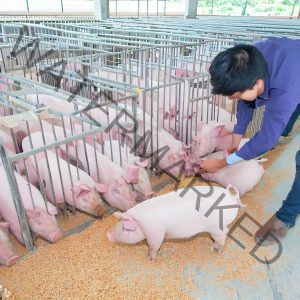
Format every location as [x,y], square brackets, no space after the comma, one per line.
[143,186]
[160,138]
[185,73]
[173,216]
[113,182]
[7,255]
[61,105]
[176,154]
[123,151]
[244,175]
[210,139]
[77,189]
[41,216]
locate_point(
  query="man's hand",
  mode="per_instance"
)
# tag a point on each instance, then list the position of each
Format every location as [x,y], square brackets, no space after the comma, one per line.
[213,165]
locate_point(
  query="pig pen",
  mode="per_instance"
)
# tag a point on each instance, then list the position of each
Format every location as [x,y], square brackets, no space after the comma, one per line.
[84,264]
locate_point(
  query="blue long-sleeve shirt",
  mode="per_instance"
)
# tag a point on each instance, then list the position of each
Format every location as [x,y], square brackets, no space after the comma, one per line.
[281,96]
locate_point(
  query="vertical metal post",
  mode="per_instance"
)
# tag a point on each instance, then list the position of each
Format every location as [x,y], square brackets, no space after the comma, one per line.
[16,197]
[245,8]
[190,9]
[147,8]
[27,5]
[134,114]
[295,3]
[62,5]
[101,9]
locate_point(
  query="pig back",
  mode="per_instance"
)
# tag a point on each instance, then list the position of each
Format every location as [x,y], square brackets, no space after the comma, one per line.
[179,216]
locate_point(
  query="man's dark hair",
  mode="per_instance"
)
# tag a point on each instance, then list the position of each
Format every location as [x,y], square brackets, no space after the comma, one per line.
[237,69]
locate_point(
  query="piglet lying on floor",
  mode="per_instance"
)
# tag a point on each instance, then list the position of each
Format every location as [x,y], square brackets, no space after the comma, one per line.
[171,216]
[244,175]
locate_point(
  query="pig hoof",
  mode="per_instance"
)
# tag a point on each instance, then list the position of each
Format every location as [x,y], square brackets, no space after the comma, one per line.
[152,255]
[216,248]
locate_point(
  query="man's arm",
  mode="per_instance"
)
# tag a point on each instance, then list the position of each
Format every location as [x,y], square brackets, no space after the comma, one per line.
[272,127]
[245,112]
[244,115]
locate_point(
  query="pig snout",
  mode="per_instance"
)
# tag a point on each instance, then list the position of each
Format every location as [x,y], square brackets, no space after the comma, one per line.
[149,196]
[100,210]
[11,261]
[56,237]
[131,204]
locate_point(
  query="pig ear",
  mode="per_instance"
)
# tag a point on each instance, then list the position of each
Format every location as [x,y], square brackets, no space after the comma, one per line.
[138,161]
[4,225]
[217,131]
[128,222]
[132,174]
[101,188]
[62,154]
[225,132]
[30,213]
[82,190]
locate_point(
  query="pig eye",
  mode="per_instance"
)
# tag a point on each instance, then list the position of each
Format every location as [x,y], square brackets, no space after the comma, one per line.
[116,191]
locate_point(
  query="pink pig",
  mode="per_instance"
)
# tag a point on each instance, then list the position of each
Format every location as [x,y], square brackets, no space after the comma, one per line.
[171,216]
[113,183]
[77,188]
[244,175]
[61,105]
[7,255]
[40,221]
[143,186]
[210,139]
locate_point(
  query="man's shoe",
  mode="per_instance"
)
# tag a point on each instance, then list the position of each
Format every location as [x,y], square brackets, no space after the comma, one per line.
[276,227]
